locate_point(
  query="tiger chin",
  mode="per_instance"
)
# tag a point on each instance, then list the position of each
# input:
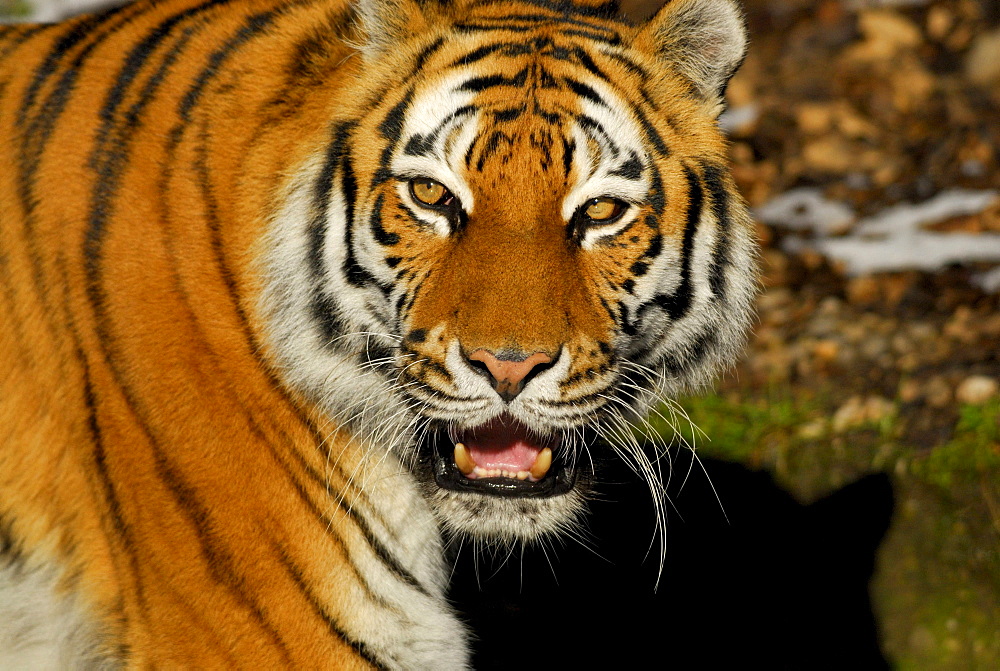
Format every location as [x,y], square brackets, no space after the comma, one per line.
[294,292]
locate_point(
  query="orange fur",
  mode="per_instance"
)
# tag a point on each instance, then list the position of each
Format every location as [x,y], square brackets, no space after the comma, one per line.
[146,445]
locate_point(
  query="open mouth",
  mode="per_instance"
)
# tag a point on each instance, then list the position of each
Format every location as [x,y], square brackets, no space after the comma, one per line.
[502,458]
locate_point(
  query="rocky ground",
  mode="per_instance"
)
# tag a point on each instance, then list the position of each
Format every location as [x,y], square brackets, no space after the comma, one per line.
[862,107]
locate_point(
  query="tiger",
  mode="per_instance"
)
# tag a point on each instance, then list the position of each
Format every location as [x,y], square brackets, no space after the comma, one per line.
[295,293]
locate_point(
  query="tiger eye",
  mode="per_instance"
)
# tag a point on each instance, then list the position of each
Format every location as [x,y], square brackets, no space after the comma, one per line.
[429,192]
[603,209]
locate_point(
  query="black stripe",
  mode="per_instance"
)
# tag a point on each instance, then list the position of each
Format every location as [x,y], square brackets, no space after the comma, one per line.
[631,169]
[320,610]
[78,31]
[607,10]
[355,275]
[20,34]
[567,13]
[612,309]
[508,114]
[348,509]
[479,84]
[323,307]
[585,91]
[586,61]
[120,528]
[423,145]
[382,236]
[391,128]
[569,147]
[463,27]
[598,134]
[215,239]
[714,182]
[651,133]
[655,247]
[678,303]
[479,54]
[426,53]
[628,64]
[219,561]
[492,145]
[614,39]
[656,197]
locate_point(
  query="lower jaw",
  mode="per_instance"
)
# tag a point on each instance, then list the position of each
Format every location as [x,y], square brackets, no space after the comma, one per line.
[506,519]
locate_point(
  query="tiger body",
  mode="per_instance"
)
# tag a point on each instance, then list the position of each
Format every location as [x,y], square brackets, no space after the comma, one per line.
[229,331]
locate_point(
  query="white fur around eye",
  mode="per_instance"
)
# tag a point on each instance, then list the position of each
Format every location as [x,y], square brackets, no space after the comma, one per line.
[595,178]
[594,233]
[438,100]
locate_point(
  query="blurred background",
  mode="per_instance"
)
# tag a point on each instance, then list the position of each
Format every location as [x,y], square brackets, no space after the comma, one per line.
[866,137]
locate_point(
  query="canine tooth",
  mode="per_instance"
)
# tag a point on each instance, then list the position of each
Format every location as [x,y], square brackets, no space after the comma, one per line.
[463,460]
[542,464]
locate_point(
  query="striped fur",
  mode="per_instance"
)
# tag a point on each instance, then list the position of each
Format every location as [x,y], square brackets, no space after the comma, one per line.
[228,332]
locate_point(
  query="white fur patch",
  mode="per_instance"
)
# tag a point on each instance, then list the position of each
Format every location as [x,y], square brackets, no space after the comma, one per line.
[41,628]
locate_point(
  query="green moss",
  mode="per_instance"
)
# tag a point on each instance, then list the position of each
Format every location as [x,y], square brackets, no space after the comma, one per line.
[972,453]
[737,429]
[13,9]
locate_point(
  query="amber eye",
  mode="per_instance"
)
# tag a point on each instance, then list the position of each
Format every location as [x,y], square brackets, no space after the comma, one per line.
[603,209]
[431,193]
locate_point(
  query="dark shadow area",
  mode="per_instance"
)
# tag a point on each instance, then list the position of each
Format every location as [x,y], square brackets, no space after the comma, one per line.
[778,584]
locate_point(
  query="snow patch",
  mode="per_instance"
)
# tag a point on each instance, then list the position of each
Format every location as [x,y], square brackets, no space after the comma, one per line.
[988,281]
[894,240]
[891,240]
[736,118]
[53,11]
[806,209]
[907,218]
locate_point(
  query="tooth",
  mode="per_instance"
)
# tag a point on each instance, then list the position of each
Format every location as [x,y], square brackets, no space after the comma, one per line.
[542,464]
[463,460]
[522,475]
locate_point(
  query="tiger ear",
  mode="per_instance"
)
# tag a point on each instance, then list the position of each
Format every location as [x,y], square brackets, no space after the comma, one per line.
[386,22]
[703,40]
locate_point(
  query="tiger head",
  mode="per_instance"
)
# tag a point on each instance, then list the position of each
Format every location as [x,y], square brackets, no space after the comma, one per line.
[521,235]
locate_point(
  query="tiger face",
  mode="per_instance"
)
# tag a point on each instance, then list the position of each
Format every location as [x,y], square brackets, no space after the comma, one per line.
[513,245]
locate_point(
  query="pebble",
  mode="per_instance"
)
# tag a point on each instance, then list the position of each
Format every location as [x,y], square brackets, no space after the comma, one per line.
[982,65]
[812,430]
[858,411]
[977,389]
[937,391]
[826,350]
[909,390]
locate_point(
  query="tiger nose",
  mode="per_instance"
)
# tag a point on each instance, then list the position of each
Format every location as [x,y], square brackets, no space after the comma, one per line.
[509,371]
